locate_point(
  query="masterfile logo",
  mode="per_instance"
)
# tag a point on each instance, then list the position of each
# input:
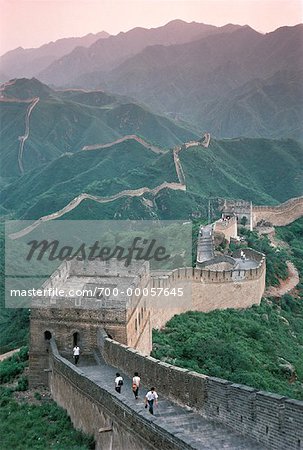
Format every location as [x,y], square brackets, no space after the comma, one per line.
[33,254]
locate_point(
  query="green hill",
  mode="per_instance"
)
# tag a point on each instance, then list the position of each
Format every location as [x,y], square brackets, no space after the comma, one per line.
[66,121]
[261,346]
[261,170]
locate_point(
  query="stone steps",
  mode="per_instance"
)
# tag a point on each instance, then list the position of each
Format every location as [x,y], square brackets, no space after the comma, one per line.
[191,428]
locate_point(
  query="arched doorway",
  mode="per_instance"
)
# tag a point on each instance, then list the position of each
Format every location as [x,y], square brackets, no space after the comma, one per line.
[76,338]
[47,335]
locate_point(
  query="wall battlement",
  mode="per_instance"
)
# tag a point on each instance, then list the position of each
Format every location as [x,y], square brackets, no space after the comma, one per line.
[279,215]
[130,319]
[274,420]
[205,275]
[286,206]
[228,227]
[93,408]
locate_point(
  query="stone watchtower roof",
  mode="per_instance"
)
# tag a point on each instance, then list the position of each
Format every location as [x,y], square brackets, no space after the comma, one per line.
[92,284]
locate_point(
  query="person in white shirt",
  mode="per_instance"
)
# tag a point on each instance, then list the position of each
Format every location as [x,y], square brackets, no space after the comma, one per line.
[151,398]
[118,382]
[76,352]
[136,384]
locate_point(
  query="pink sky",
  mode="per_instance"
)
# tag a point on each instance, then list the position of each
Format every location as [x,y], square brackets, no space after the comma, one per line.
[31,23]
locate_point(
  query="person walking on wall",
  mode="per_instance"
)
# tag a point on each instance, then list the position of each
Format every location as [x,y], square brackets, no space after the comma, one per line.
[136,384]
[151,398]
[118,383]
[76,352]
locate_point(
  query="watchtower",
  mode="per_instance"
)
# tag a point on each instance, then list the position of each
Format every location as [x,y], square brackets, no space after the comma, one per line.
[239,208]
[81,298]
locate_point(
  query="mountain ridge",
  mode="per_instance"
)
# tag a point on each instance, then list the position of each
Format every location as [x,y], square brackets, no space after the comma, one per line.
[117,48]
[27,62]
[68,120]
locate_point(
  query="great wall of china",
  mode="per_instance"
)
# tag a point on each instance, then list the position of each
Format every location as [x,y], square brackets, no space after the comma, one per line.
[23,138]
[241,416]
[195,410]
[279,215]
[282,214]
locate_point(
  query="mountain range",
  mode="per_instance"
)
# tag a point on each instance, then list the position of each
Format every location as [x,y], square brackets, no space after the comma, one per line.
[68,120]
[261,170]
[205,82]
[231,80]
[27,62]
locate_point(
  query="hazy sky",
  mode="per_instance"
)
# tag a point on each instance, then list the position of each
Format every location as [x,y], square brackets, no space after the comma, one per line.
[31,23]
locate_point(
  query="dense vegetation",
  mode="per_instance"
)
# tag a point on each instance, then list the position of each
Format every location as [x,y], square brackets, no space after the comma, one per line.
[252,169]
[14,323]
[64,122]
[261,346]
[276,268]
[212,172]
[39,424]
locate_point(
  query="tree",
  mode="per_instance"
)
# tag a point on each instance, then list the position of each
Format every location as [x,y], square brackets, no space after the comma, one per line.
[243,221]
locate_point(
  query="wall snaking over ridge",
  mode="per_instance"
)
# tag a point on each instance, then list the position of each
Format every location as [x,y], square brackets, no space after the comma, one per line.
[279,215]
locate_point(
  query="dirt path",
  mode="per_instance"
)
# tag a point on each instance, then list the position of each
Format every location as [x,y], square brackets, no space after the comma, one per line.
[8,354]
[293,275]
[285,285]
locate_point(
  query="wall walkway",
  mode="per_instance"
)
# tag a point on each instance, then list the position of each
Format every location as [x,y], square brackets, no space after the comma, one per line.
[273,420]
[118,421]
[279,215]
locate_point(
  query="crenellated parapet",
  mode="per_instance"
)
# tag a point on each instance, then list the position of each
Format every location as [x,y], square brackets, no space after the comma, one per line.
[206,289]
[273,420]
[279,215]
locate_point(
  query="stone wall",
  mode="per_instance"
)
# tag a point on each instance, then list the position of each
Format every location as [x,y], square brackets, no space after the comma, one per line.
[280,215]
[274,420]
[96,411]
[229,228]
[227,262]
[206,290]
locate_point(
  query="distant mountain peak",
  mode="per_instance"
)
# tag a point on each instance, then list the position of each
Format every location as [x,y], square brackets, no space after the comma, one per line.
[28,62]
[176,22]
[24,88]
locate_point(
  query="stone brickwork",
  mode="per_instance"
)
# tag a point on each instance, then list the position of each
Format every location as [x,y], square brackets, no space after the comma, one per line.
[240,209]
[273,420]
[208,289]
[228,227]
[125,318]
[95,410]
[130,319]
[280,215]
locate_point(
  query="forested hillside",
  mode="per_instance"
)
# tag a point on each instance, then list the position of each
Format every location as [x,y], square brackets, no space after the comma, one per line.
[261,346]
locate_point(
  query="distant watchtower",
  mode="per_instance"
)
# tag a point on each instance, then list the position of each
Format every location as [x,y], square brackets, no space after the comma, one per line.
[94,295]
[239,208]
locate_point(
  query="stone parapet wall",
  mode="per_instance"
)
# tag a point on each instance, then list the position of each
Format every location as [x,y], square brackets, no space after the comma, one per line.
[279,215]
[214,276]
[207,290]
[92,407]
[236,293]
[211,263]
[251,254]
[229,228]
[275,421]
